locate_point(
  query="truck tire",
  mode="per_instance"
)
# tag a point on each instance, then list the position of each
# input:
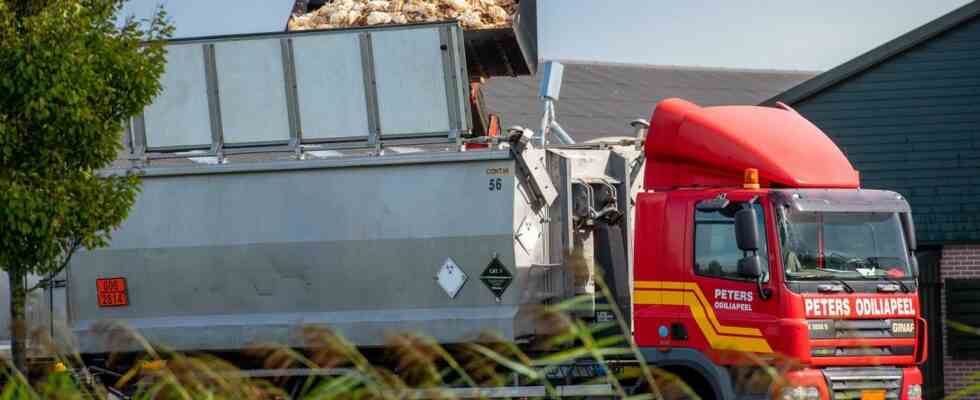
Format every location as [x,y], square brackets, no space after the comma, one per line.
[687,380]
[694,381]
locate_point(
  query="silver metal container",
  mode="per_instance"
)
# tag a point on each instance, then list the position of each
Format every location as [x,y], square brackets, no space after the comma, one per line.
[220,257]
[228,246]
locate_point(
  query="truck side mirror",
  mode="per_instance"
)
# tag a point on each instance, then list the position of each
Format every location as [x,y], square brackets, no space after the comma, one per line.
[747,229]
[750,267]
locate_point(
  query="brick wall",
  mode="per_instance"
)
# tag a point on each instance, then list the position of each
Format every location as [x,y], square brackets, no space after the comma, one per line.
[959,262]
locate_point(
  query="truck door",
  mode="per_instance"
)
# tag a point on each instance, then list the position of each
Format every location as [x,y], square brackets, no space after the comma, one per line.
[735,310]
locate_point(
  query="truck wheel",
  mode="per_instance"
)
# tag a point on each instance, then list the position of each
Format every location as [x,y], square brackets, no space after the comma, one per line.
[684,381]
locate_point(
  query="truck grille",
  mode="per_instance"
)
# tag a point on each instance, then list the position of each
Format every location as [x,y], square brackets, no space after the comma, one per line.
[880,351]
[849,383]
[861,329]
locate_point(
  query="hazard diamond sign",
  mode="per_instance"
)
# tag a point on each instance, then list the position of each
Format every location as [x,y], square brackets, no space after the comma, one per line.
[496,277]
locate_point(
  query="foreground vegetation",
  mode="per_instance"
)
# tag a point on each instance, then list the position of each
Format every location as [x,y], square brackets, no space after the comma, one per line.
[409,366]
[70,76]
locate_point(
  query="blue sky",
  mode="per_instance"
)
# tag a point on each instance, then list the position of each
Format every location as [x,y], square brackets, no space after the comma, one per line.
[752,34]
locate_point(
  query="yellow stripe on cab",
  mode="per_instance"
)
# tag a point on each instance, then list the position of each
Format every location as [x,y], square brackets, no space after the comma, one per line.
[690,295]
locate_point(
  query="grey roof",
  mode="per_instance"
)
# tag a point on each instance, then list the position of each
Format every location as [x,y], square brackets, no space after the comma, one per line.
[878,55]
[600,99]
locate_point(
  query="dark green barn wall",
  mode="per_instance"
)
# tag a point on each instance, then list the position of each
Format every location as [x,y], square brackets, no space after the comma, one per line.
[912,124]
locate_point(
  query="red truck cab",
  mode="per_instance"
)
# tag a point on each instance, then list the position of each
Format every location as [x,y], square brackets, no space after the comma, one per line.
[755,244]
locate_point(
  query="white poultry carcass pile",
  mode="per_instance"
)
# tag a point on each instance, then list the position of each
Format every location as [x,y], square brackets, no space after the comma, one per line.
[472,14]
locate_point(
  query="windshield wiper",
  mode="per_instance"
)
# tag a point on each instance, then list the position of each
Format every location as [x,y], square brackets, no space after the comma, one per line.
[829,277]
[847,288]
[886,278]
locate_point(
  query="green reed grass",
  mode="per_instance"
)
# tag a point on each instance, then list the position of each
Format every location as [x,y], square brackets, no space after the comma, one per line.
[408,366]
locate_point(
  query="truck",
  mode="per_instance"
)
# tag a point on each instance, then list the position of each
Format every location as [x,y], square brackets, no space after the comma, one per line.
[333,178]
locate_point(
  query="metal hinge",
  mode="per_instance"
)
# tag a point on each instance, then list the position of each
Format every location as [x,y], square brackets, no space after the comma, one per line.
[536,177]
[53,283]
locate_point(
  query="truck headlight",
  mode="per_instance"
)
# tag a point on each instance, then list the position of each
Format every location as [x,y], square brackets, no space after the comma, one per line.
[799,393]
[915,392]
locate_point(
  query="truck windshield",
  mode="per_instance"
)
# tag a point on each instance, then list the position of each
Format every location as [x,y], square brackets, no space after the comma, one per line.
[843,245]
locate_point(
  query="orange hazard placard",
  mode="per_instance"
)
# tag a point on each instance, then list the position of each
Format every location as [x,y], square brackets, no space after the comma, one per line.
[112,292]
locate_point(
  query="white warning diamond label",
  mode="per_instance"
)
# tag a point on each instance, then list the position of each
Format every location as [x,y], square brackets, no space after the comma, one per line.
[451,278]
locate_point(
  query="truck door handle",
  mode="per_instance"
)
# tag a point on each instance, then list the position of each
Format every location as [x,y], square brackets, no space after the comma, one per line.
[764,292]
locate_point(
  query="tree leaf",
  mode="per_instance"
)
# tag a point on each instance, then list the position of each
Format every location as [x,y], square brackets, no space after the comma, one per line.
[71,76]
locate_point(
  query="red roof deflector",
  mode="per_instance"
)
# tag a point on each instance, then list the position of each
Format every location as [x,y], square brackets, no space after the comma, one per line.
[689,146]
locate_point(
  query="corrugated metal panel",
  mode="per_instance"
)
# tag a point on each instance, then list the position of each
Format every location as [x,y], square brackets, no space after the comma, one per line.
[912,124]
[919,37]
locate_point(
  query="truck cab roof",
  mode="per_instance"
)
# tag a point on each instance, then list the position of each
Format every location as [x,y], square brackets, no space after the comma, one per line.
[688,145]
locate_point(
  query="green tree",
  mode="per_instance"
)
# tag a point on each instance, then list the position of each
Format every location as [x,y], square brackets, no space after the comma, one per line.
[70,75]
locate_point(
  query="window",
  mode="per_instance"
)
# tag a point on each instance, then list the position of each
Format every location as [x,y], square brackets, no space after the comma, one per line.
[963,316]
[715,251]
[843,245]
